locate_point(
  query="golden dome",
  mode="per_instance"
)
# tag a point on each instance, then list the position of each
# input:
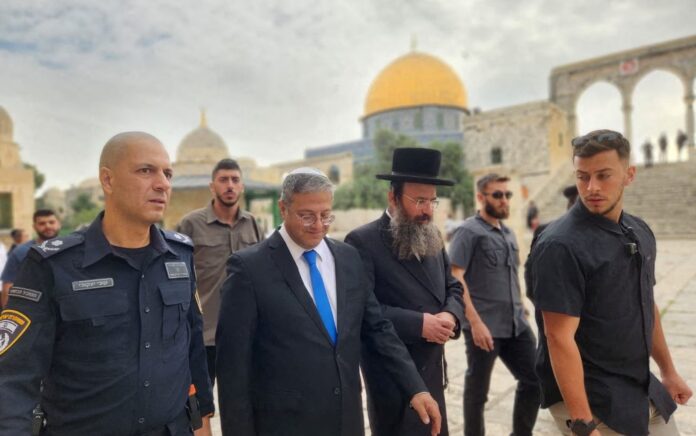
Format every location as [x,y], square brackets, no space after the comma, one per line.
[415,79]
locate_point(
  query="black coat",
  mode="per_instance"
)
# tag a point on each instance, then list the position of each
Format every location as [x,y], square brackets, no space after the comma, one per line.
[278,372]
[405,289]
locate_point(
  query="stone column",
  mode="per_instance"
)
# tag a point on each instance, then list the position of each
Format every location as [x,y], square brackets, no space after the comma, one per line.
[627,109]
[689,101]
[567,103]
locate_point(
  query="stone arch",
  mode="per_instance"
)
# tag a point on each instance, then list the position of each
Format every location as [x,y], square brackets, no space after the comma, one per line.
[589,84]
[662,68]
[658,109]
[611,102]
[625,69]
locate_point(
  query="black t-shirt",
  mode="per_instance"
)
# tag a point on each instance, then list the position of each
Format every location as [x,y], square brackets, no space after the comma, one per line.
[583,266]
[138,258]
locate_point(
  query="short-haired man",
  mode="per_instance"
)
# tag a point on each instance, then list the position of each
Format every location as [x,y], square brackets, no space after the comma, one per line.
[19,236]
[485,258]
[408,268]
[218,230]
[46,226]
[296,309]
[106,318]
[592,273]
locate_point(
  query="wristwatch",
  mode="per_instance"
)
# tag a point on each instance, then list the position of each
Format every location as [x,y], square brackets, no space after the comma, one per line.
[581,427]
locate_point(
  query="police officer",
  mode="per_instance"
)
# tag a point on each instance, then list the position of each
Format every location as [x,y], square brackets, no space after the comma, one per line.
[106,319]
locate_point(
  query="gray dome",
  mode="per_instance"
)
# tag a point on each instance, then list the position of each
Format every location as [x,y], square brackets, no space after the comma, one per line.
[202,145]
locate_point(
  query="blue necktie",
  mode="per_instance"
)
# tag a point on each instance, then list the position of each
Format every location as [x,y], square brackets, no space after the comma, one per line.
[320,297]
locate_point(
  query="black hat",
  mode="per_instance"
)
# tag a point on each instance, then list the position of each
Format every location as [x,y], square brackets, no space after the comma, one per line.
[417,165]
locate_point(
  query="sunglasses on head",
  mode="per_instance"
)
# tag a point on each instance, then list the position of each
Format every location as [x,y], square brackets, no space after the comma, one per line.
[582,140]
[498,195]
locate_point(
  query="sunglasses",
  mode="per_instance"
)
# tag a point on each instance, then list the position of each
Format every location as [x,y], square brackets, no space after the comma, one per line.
[498,195]
[582,140]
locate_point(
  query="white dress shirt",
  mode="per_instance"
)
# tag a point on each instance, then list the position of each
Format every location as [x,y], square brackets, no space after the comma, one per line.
[325,264]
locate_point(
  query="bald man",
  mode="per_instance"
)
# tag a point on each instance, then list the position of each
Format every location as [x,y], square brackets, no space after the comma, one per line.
[106,319]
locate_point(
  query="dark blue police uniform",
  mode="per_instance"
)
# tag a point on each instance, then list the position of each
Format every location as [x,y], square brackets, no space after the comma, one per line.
[114,335]
[585,265]
[14,261]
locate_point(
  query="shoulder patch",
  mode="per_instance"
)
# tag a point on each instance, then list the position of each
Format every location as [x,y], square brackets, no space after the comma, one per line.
[177,237]
[13,324]
[56,245]
[25,293]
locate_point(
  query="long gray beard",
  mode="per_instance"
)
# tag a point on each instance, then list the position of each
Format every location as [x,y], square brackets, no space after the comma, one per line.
[412,238]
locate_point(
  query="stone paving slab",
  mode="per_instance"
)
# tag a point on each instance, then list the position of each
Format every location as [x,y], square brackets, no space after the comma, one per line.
[675,294]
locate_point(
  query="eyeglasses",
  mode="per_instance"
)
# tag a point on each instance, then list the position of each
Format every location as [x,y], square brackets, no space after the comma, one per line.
[498,195]
[422,202]
[311,219]
[582,140]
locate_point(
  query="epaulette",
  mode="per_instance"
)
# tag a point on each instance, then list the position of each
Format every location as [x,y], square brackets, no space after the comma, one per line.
[177,237]
[56,245]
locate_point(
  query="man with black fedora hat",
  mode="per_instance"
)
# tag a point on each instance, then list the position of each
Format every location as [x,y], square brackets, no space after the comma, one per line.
[407,266]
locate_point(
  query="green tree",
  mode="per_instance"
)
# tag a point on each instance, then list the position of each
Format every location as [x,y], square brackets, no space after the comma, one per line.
[367,192]
[452,167]
[83,211]
[82,202]
[39,177]
[81,218]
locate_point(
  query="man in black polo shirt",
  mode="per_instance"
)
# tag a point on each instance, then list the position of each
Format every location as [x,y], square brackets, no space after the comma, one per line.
[485,257]
[592,273]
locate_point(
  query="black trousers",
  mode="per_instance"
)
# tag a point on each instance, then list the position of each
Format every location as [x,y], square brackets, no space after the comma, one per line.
[518,355]
[210,353]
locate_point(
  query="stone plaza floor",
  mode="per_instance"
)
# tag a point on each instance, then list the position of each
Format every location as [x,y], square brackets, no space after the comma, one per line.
[675,293]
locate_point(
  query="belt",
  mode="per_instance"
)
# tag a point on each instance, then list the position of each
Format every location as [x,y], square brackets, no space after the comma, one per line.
[180,422]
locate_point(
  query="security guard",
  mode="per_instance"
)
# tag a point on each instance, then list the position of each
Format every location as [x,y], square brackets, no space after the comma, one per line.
[592,273]
[107,319]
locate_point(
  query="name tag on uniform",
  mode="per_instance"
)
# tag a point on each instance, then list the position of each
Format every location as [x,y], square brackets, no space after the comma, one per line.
[176,270]
[27,294]
[86,285]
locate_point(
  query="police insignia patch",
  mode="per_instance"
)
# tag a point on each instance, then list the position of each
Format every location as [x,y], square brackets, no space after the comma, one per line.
[13,324]
[181,237]
[176,270]
[46,248]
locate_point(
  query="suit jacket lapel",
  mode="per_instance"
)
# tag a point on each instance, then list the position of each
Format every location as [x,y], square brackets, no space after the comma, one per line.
[341,293]
[288,268]
[412,265]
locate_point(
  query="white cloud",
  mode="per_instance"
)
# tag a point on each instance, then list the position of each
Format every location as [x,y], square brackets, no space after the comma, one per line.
[277,77]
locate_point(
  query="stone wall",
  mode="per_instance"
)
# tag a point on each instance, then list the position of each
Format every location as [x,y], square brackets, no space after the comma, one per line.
[274,174]
[19,183]
[414,120]
[532,138]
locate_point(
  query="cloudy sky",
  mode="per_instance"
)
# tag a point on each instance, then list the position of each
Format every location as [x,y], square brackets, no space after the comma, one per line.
[279,77]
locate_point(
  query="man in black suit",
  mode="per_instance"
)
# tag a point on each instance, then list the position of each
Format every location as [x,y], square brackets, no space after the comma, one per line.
[409,269]
[295,310]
